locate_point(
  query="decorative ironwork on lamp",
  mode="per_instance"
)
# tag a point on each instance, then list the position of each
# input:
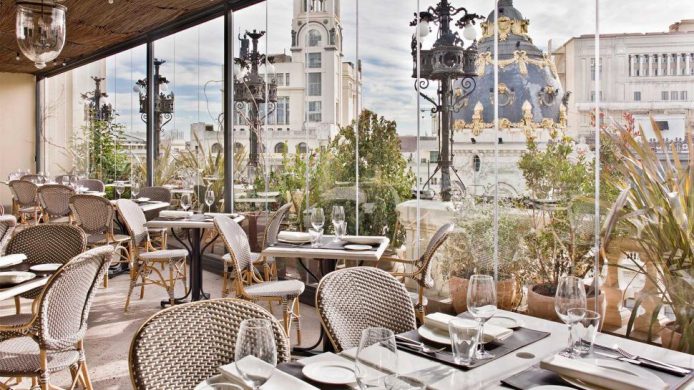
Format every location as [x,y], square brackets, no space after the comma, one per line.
[40,30]
[97,105]
[163,105]
[448,60]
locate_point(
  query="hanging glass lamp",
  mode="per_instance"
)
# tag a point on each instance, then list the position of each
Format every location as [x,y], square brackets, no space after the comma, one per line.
[41,30]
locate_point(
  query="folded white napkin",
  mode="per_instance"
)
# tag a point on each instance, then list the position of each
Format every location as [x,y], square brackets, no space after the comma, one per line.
[175,214]
[294,236]
[279,380]
[439,321]
[230,215]
[593,374]
[10,260]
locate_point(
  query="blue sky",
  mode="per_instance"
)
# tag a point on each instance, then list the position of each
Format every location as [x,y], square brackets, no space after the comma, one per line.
[195,56]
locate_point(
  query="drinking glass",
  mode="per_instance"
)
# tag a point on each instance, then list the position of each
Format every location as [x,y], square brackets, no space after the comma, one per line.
[120,187]
[571,294]
[481,303]
[317,218]
[135,189]
[464,337]
[338,220]
[256,352]
[185,201]
[341,230]
[315,237]
[377,350]
[209,198]
[586,328]
[65,181]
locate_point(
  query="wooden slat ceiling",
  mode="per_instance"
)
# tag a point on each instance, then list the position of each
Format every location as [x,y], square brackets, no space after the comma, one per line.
[93,25]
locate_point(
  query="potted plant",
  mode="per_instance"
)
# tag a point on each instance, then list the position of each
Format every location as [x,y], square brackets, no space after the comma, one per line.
[469,250]
[657,202]
[561,237]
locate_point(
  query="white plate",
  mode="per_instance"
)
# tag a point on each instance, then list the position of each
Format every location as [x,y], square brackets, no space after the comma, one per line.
[625,368]
[358,247]
[439,336]
[15,277]
[334,373]
[362,240]
[141,200]
[505,322]
[48,267]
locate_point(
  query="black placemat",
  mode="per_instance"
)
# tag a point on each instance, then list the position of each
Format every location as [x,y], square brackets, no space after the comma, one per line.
[326,243]
[294,369]
[519,339]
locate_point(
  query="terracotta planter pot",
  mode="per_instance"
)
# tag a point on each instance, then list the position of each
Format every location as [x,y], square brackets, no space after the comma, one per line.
[671,338]
[542,306]
[507,294]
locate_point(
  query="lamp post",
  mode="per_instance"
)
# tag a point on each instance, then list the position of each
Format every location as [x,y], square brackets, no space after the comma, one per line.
[446,62]
[250,87]
[97,107]
[163,105]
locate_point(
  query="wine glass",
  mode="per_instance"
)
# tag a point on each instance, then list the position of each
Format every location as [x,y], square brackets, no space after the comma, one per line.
[65,181]
[571,294]
[338,220]
[135,189]
[120,187]
[185,201]
[209,198]
[256,352]
[377,350]
[481,303]
[317,218]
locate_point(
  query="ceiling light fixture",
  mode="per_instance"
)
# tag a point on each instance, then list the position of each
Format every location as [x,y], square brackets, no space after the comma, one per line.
[41,30]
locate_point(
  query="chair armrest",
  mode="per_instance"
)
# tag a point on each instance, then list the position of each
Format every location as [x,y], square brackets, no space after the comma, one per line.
[397,260]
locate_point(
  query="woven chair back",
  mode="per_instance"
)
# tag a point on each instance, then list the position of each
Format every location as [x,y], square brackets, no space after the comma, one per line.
[93,213]
[7,226]
[353,299]
[160,194]
[180,347]
[425,261]
[66,300]
[236,242]
[48,243]
[134,219]
[92,184]
[273,227]
[55,199]
[70,178]
[24,192]
[38,179]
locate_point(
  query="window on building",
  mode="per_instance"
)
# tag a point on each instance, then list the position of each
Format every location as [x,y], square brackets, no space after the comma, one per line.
[683,95]
[592,96]
[280,78]
[665,95]
[313,60]
[674,95]
[637,96]
[302,148]
[314,111]
[286,79]
[281,147]
[314,5]
[592,68]
[434,156]
[476,163]
[313,38]
[314,84]
[282,110]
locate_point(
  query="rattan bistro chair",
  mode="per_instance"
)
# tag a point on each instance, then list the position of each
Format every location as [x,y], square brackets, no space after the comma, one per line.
[37,179]
[25,200]
[55,202]
[353,299]
[285,292]
[145,258]
[44,244]
[52,339]
[202,337]
[92,185]
[419,270]
[7,225]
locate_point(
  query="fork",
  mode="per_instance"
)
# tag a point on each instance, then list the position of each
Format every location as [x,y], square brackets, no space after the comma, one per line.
[423,347]
[631,356]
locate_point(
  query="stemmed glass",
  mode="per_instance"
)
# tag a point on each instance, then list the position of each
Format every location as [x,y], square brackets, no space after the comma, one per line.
[135,189]
[377,349]
[339,222]
[185,201]
[256,352]
[571,294]
[120,187]
[481,303]
[317,218]
[209,198]
[66,181]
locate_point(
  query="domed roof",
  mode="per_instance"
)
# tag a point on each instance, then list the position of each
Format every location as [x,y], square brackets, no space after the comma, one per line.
[530,93]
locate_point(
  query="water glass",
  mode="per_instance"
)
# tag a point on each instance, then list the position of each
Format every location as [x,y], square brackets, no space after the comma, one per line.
[316,235]
[377,350]
[256,351]
[586,329]
[571,294]
[120,187]
[481,303]
[135,189]
[340,230]
[317,218]
[185,201]
[65,181]
[465,335]
[338,220]
[209,198]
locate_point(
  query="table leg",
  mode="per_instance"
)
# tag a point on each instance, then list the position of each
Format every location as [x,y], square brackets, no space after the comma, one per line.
[195,274]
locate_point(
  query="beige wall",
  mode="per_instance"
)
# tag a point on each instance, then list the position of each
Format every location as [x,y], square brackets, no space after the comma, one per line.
[17,126]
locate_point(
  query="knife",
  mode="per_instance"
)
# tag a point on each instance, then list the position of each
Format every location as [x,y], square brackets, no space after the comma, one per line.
[643,363]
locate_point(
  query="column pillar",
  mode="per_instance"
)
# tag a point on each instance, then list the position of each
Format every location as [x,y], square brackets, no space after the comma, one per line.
[678,64]
[659,58]
[669,65]
[641,64]
[688,64]
[650,65]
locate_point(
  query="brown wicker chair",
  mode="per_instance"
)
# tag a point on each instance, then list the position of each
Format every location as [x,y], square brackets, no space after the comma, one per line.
[25,200]
[201,336]
[36,179]
[92,185]
[44,244]
[7,225]
[71,178]
[94,214]
[353,299]
[145,258]
[52,339]
[55,202]
[284,292]
[420,269]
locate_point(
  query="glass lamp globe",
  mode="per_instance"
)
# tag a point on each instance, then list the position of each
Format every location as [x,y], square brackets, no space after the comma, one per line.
[40,31]
[164,88]
[469,32]
[423,28]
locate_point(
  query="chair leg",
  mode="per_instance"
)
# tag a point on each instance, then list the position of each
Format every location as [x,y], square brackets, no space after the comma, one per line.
[17,304]
[170,286]
[84,370]
[133,283]
[43,371]
[297,313]
[225,276]
[287,316]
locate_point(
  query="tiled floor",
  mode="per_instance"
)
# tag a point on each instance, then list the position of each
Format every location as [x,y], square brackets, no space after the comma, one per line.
[111,330]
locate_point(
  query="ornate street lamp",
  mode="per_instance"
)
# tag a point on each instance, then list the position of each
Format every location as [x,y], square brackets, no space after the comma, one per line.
[163,105]
[446,62]
[251,88]
[97,107]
